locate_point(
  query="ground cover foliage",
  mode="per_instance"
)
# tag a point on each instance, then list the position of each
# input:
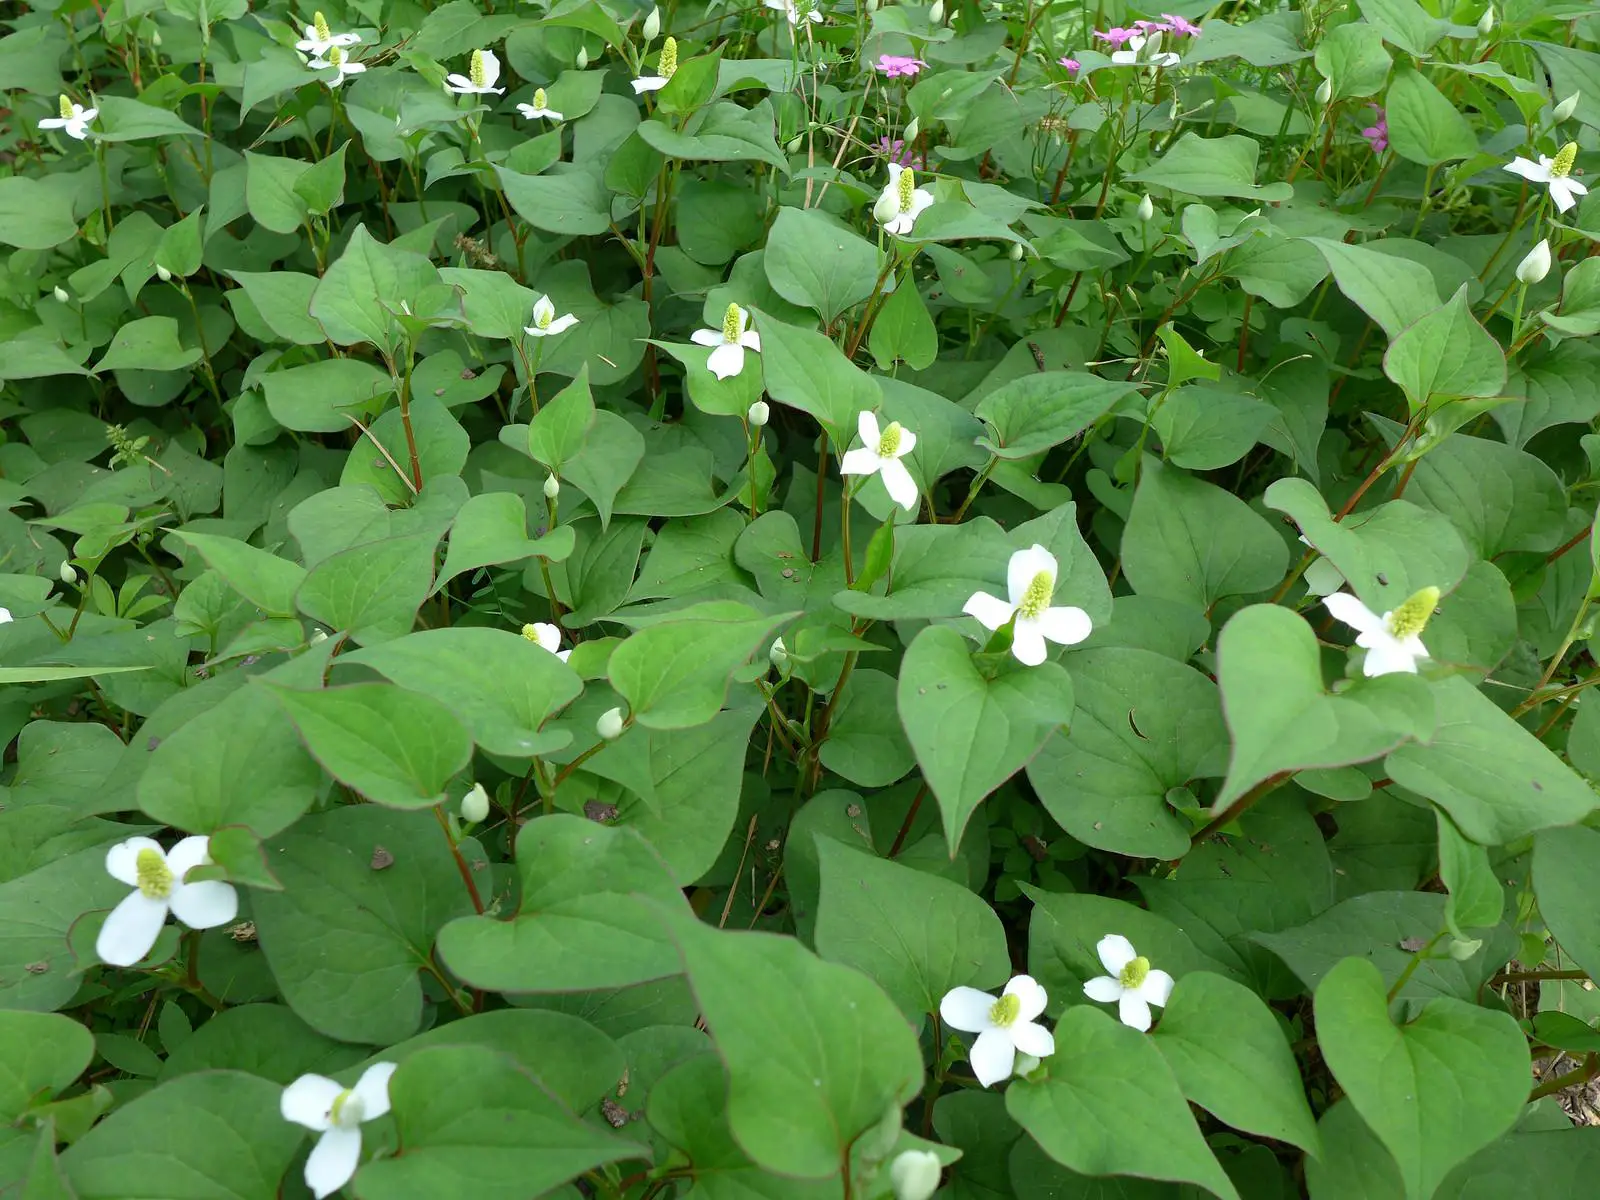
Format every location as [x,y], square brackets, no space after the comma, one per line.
[798,601]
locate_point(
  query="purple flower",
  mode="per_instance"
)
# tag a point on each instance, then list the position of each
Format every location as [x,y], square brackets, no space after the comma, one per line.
[1377,134]
[1116,36]
[1181,26]
[896,65]
[1072,65]
[1148,27]
[896,152]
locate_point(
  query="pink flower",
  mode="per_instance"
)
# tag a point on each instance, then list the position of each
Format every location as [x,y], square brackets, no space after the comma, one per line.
[895,65]
[1377,134]
[1072,65]
[1182,26]
[897,152]
[1116,36]
[1152,27]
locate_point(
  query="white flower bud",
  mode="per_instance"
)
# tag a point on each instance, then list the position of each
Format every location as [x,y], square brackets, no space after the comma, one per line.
[872,6]
[1486,22]
[914,1175]
[1325,92]
[318,636]
[155,38]
[1536,264]
[163,274]
[68,575]
[759,414]
[1147,208]
[1016,252]
[552,487]
[652,25]
[778,656]
[1462,949]
[475,804]
[912,129]
[1566,108]
[61,294]
[936,13]
[795,145]
[583,58]
[609,726]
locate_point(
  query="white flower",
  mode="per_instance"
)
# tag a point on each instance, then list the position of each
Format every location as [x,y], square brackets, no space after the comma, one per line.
[336,59]
[1030,587]
[914,1174]
[73,121]
[320,39]
[1555,173]
[731,341]
[902,202]
[609,726]
[1566,108]
[1147,208]
[778,654]
[475,804]
[539,107]
[1134,54]
[652,26]
[797,10]
[545,321]
[481,76]
[667,65]
[1003,1026]
[649,83]
[157,877]
[547,637]
[552,487]
[324,1107]
[60,294]
[879,454]
[758,414]
[1132,983]
[1393,642]
[1536,264]
[68,575]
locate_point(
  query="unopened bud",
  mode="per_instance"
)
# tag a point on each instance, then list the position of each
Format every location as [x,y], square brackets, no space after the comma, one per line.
[1486,22]
[318,636]
[795,145]
[652,25]
[583,58]
[759,414]
[1462,949]
[68,575]
[914,1175]
[912,129]
[1325,92]
[1566,108]
[155,38]
[1147,208]
[475,804]
[1535,265]
[936,13]
[778,656]
[609,726]
[163,274]
[1016,252]
[61,294]
[552,487]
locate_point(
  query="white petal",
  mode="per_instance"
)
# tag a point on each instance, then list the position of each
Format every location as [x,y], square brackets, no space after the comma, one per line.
[1388,658]
[1352,612]
[1538,172]
[563,655]
[1561,191]
[53,123]
[346,39]
[1064,626]
[562,323]
[966,1009]
[648,83]
[899,226]
[902,488]
[908,442]
[1115,952]
[188,854]
[130,930]
[204,905]
[373,1089]
[1024,565]
[1414,647]
[1103,988]
[459,82]
[547,636]
[894,178]
[544,310]
[1156,988]
[1032,1038]
[1124,58]
[727,360]
[751,341]
[1027,644]
[309,1100]
[5,619]
[860,461]
[921,201]
[706,337]
[333,1161]
[491,69]
[868,430]
[1133,1011]
[122,860]
[1030,995]
[535,331]
[992,1056]
[991,611]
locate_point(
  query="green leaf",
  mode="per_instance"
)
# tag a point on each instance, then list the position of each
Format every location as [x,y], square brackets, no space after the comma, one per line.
[1446,354]
[1281,717]
[147,344]
[1580,301]
[271,194]
[1352,58]
[572,203]
[1498,497]
[866,743]
[492,530]
[398,748]
[1228,1052]
[40,1054]
[916,935]
[471,1118]
[1224,166]
[1435,1090]
[283,300]
[322,186]
[1205,428]
[1190,541]
[124,119]
[815,1052]
[371,591]
[321,397]
[1563,862]
[1035,412]
[264,579]
[727,133]
[805,370]
[365,286]
[581,924]
[1405,24]
[1395,292]
[970,732]
[36,912]
[819,264]
[1126,1120]
[1142,726]
[557,431]
[1476,898]
[1573,71]
[611,454]
[903,331]
[1424,126]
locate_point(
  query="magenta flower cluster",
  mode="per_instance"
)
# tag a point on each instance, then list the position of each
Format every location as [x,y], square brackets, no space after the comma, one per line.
[1377,134]
[895,65]
[1169,23]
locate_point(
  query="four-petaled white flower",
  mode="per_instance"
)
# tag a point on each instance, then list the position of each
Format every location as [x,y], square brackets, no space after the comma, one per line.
[1004,1026]
[1030,587]
[73,121]
[1132,984]
[545,321]
[731,341]
[667,65]
[338,60]
[547,637]
[320,39]
[797,10]
[322,1106]
[480,78]
[902,202]
[1555,173]
[1393,642]
[157,877]
[879,454]
[539,107]
[1134,53]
